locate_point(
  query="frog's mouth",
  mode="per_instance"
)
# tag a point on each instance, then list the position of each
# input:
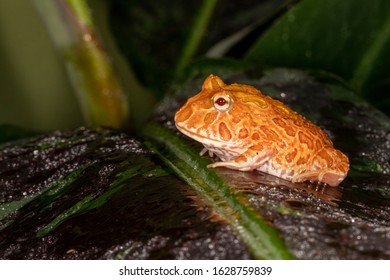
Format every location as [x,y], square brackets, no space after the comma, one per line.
[207,140]
[223,150]
[196,136]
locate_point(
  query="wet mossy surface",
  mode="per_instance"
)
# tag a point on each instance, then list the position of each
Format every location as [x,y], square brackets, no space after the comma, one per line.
[101,194]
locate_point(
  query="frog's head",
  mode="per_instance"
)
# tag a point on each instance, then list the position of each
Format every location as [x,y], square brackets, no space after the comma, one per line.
[214,116]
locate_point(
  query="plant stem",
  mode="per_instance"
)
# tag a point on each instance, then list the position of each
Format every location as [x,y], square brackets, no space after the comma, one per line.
[89,66]
[80,8]
[198,31]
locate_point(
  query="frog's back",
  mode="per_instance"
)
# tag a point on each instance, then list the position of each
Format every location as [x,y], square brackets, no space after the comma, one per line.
[267,114]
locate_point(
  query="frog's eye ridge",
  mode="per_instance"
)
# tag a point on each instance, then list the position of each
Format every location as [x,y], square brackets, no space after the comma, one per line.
[222,102]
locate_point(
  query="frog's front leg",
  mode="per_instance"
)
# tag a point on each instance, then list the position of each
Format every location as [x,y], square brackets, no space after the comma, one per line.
[251,159]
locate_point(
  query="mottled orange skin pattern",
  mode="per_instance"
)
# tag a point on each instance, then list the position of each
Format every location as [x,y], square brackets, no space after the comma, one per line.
[248,130]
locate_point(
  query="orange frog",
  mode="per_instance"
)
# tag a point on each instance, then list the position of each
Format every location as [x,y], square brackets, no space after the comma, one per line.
[247,131]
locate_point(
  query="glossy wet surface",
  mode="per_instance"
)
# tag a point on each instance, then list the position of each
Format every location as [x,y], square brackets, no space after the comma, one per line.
[99,194]
[148,214]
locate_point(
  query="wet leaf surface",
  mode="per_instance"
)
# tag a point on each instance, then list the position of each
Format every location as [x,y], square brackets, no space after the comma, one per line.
[100,194]
[90,194]
[262,240]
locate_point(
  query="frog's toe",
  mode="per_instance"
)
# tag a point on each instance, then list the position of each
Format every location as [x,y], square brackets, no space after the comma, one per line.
[232,165]
[331,178]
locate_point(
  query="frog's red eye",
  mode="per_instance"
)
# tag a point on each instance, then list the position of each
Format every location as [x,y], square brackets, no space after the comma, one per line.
[222,102]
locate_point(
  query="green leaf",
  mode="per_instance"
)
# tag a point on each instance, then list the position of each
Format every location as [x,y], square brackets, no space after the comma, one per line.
[102,194]
[185,31]
[199,28]
[348,38]
[262,239]
[151,49]
[53,192]
[89,202]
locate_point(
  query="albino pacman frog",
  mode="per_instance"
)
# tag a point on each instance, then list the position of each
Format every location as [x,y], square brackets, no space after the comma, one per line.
[248,130]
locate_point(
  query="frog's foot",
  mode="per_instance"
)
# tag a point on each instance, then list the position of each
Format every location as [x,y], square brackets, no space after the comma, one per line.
[327,176]
[335,172]
[332,177]
[250,160]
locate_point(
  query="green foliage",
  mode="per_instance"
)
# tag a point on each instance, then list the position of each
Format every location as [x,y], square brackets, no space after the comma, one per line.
[262,239]
[171,46]
[89,202]
[44,199]
[159,38]
[348,38]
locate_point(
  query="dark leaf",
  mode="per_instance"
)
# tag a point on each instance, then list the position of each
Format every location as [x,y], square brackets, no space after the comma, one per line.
[90,194]
[349,38]
[155,35]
